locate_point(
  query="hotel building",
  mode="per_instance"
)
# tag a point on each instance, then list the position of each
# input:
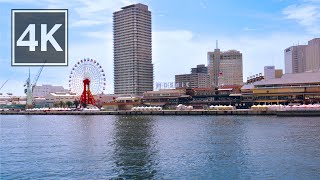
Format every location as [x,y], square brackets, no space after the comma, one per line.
[225,68]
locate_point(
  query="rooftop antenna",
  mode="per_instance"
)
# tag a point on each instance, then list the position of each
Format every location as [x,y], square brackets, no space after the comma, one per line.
[217,44]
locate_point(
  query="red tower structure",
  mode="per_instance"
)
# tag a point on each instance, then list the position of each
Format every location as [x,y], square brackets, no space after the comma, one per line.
[86,96]
[87,78]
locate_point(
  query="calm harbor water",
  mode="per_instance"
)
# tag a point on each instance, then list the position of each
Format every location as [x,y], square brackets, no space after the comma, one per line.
[159,147]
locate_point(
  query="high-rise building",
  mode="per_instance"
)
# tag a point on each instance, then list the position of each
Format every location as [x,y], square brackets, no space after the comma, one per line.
[295,59]
[214,59]
[225,68]
[313,55]
[198,78]
[133,68]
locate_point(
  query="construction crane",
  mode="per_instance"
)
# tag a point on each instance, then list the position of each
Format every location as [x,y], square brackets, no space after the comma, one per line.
[30,87]
[4,84]
[36,78]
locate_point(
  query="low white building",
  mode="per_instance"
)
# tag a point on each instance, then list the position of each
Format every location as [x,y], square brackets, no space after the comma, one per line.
[40,102]
[44,90]
[52,98]
[10,99]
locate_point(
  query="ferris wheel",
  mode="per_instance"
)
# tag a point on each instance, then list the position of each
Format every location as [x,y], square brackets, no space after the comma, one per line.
[91,71]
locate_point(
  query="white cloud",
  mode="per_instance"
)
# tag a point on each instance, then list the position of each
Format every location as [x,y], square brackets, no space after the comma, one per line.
[81,23]
[307,15]
[175,52]
[18,1]
[102,35]
[249,29]
[203,5]
[98,10]
[311,0]
[84,13]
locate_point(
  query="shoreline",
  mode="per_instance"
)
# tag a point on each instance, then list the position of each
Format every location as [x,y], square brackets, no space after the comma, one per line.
[171,112]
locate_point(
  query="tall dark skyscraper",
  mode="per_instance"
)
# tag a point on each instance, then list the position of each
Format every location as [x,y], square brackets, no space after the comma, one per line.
[133,68]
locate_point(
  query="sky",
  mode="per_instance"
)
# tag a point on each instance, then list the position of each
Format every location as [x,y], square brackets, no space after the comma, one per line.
[183,31]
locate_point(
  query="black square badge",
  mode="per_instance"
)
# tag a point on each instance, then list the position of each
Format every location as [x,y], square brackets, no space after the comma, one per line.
[39,37]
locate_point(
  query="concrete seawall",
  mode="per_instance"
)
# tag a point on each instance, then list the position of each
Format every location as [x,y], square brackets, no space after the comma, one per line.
[298,113]
[168,112]
[172,112]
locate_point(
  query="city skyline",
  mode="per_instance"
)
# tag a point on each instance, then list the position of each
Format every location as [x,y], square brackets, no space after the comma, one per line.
[254,28]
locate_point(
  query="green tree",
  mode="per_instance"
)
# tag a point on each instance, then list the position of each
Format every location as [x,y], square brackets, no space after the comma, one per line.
[76,103]
[84,105]
[62,104]
[56,104]
[69,103]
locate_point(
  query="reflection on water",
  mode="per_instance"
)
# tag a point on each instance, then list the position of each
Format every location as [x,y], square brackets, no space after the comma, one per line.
[227,140]
[159,147]
[204,147]
[134,147]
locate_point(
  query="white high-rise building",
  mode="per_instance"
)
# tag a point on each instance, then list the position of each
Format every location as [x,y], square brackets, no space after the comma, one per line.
[133,68]
[295,59]
[303,58]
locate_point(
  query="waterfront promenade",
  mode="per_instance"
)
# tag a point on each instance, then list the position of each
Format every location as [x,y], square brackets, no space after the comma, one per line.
[169,112]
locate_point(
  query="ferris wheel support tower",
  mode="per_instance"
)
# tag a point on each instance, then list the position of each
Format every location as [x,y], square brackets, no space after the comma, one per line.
[86,96]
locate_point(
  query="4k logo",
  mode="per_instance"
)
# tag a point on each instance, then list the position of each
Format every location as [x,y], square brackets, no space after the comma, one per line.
[39,36]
